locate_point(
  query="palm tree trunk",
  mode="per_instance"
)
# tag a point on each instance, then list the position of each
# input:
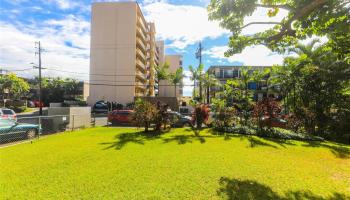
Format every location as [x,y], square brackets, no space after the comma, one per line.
[175,90]
[194,89]
[208,95]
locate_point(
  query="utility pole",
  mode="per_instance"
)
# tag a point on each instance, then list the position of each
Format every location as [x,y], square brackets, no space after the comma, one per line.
[199,56]
[39,67]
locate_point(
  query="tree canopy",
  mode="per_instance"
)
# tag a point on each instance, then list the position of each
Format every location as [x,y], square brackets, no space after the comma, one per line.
[305,18]
[15,85]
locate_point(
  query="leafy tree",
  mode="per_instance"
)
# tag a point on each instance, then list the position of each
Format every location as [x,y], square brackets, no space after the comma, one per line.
[176,78]
[144,113]
[305,18]
[71,87]
[238,90]
[320,77]
[15,85]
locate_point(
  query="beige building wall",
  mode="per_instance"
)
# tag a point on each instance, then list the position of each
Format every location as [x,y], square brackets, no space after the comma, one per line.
[166,89]
[118,61]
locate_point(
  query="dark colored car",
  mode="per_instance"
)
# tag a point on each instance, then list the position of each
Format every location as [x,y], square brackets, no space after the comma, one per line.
[178,120]
[100,107]
[118,117]
[11,130]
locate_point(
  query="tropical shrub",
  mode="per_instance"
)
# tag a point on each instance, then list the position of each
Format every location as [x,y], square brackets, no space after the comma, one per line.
[201,114]
[268,108]
[144,113]
[225,117]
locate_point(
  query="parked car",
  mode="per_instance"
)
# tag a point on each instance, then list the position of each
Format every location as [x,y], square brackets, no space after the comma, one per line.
[275,122]
[38,103]
[6,113]
[178,120]
[100,107]
[11,130]
[118,117]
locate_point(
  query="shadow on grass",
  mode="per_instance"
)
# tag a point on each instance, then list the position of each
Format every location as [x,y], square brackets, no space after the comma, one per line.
[131,137]
[141,137]
[183,139]
[339,150]
[235,189]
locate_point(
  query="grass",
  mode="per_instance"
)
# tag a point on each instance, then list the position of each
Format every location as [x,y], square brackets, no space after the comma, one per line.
[124,163]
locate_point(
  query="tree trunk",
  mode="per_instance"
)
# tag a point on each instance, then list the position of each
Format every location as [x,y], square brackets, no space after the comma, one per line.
[146,126]
[175,90]
[194,89]
[208,95]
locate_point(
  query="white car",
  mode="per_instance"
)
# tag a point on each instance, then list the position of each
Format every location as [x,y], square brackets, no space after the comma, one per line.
[6,113]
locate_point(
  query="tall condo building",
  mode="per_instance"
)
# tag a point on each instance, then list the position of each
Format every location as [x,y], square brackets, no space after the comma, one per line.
[123,53]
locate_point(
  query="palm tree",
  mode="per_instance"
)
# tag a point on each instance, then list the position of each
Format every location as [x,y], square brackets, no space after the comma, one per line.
[176,78]
[209,80]
[196,75]
[162,72]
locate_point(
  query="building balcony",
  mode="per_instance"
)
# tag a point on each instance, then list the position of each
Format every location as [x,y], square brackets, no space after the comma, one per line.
[140,86]
[141,76]
[142,25]
[140,66]
[141,55]
[141,35]
[140,45]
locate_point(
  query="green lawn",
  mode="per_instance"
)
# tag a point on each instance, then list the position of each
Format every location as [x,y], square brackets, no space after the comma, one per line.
[121,163]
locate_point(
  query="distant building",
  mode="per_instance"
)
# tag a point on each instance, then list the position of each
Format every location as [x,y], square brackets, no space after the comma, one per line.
[166,88]
[123,53]
[224,73]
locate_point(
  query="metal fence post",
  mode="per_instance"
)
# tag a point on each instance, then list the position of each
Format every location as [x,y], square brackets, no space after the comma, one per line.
[40,127]
[73,123]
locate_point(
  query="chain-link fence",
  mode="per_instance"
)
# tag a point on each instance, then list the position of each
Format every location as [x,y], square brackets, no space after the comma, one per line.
[29,128]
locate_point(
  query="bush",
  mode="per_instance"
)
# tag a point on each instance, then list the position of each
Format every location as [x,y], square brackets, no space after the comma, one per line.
[225,117]
[276,133]
[144,114]
[201,114]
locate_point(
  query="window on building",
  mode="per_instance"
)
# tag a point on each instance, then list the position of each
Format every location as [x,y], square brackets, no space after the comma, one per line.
[228,73]
[221,73]
[252,86]
[235,73]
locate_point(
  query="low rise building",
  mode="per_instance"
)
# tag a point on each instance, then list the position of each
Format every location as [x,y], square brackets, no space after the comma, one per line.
[224,73]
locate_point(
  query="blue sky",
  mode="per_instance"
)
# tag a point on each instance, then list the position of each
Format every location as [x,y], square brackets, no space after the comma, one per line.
[63,27]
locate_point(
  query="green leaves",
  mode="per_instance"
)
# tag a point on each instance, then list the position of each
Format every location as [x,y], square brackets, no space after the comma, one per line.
[306,18]
[15,85]
[163,71]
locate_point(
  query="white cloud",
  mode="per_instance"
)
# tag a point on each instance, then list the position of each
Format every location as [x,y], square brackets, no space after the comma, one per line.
[182,24]
[254,56]
[187,82]
[260,15]
[17,46]
[65,4]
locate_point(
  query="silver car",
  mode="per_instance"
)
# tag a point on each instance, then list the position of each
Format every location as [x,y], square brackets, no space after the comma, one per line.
[6,113]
